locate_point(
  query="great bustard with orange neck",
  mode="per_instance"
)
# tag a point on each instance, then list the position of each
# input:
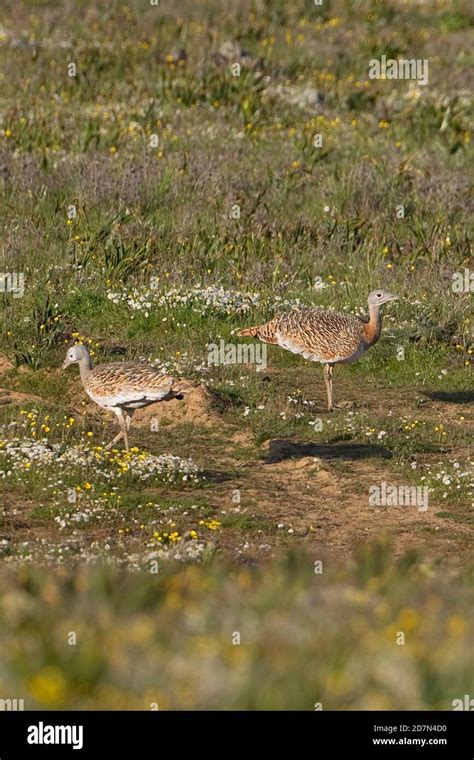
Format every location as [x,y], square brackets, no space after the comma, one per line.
[323,336]
[123,387]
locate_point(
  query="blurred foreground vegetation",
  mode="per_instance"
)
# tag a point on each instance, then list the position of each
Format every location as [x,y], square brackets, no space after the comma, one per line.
[306,637]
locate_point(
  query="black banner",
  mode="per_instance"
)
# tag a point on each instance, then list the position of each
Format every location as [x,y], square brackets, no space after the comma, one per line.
[374,734]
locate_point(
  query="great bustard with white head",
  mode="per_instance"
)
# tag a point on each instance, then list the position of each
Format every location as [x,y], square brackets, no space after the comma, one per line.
[123,387]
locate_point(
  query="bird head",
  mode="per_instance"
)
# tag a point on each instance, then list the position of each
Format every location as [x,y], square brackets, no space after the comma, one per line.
[76,354]
[379,296]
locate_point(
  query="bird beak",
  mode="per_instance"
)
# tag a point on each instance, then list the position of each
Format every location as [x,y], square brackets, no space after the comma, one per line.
[389,297]
[66,363]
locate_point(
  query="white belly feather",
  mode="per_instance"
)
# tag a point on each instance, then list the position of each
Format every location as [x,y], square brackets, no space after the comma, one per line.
[289,345]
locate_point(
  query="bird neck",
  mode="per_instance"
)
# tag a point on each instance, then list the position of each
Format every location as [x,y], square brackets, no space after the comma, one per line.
[85,368]
[373,327]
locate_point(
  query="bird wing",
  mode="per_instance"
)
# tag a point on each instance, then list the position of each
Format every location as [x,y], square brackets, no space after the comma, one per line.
[128,384]
[318,335]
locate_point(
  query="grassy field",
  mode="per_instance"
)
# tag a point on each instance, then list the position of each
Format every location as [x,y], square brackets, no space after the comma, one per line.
[153,203]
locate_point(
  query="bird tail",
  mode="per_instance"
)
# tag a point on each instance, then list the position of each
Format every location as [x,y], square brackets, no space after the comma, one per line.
[264,332]
[249,332]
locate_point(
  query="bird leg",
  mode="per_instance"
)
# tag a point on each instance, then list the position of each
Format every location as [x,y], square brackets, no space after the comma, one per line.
[115,440]
[123,430]
[125,436]
[328,368]
[128,423]
[126,427]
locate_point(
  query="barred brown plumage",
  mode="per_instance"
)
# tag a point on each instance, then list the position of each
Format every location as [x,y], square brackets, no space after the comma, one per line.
[328,337]
[122,387]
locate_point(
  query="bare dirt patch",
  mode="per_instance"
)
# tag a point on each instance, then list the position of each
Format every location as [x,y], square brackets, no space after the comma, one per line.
[5,364]
[8,396]
[324,503]
[197,407]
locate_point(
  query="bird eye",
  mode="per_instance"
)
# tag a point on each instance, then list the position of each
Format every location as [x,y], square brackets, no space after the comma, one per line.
[379,295]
